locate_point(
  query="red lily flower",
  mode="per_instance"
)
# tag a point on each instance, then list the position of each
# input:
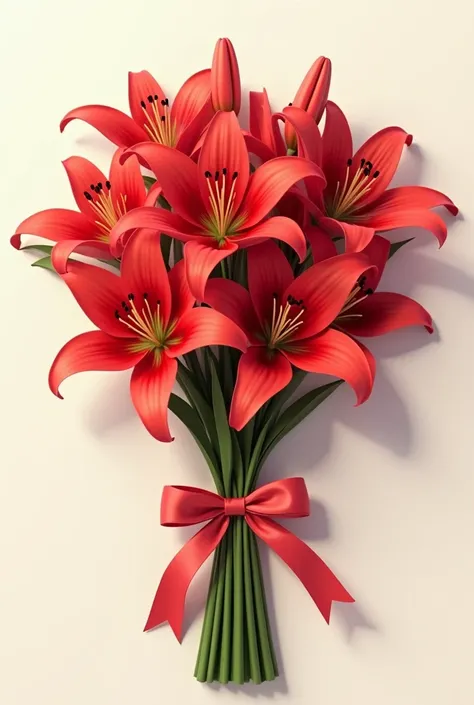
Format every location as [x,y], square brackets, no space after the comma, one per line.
[146,320]
[355,203]
[178,125]
[225,78]
[101,201]
[287,322]
[218,206]
[312,95]
[368,312]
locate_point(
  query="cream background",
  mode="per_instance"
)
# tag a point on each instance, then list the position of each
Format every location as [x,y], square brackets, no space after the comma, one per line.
[392,482]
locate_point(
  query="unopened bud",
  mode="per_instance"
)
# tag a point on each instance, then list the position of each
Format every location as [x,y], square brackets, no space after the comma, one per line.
[312,95]
[225,78]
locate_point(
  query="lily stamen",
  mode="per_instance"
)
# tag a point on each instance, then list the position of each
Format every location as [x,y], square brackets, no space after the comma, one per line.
[282,325]
[222,205]
[347,199]
[147,325]
[160,128]
[108,212]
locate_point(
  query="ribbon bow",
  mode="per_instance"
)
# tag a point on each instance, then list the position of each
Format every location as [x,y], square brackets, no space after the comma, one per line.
[184,506]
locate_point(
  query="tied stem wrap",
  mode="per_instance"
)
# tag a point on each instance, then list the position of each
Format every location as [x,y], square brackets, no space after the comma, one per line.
[184,506]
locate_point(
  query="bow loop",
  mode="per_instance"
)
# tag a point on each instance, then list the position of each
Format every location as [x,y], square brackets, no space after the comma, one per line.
[184,506]
[283,498]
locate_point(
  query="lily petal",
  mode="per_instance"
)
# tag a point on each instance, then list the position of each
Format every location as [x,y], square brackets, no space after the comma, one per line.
[414,218]
[150,387]
[201,256]
[91,351]
[233,300]
[407,198]
[224,148]
[113,124]
[271,181]
[357,237]
[191,99]
[158,219]
[262,125]
[205,326]
[127,186]
[322,246]
[324,288]
[269,273]
[153,194]
[384,312]
[181,297]
[383,150]
[99,293]
[259,378]
[377,251]
[144,274]
[83,175]
[337,147]
[279,228]
[90,248]
[334,353]
[56,224]
[308,138]
[141,87]
[177,174]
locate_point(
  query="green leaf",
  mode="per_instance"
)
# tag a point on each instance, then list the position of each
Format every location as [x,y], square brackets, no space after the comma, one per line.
[223,430]
[186,381]
[45,263]
[237,465]
[296,413]
[193,423]
[149,181]
[395,246]
[286,393]
[41,248]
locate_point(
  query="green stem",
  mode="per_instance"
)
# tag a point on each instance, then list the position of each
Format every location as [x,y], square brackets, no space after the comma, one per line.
[227,627]
[267,653]
[200,672]
[254,661]
[238,666]
[217,622]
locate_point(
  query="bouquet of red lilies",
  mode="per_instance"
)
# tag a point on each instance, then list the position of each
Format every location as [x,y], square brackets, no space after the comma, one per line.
[244,259]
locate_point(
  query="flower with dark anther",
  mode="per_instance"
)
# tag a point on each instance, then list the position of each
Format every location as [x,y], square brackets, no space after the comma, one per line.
[289,322]
[101,201]
[356,201]
[368,312]
[147,320]
[218,206]
[153,118]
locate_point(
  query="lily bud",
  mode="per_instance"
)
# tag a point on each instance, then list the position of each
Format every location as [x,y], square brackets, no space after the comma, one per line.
[225,78]
[312,95]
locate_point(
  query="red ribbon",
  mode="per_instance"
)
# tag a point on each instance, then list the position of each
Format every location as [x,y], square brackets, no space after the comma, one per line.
[184,506]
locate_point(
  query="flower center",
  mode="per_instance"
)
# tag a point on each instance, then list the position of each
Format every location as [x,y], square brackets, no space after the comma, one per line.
[147,323]
[357,295]
[220,222]
[347,197]
[284,323]
[107,211]
[159,124]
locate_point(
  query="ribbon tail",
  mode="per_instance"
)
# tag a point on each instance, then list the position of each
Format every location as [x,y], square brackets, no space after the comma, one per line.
[318,579]
[168,605]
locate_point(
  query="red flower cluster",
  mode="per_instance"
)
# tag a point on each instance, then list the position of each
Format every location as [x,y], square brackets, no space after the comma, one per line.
[243,202]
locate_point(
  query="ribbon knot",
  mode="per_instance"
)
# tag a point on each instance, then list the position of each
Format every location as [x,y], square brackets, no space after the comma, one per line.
[184,506]
[234,506]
